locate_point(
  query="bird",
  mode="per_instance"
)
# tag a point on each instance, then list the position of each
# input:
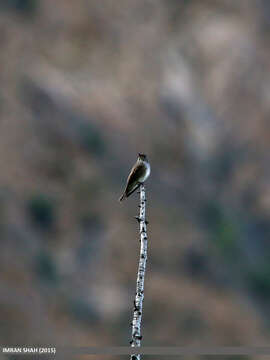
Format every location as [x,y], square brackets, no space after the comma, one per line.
[137,176]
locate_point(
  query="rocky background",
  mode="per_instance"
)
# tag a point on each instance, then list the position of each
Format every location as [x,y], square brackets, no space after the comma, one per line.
[87,84]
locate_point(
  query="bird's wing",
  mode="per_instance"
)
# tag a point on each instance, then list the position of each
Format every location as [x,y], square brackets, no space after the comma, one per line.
[136,173]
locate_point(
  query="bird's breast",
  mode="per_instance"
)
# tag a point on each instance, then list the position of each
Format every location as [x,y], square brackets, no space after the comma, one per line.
[147,172]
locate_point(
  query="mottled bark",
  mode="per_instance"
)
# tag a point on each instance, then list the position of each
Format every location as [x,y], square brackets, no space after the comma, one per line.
[138,302]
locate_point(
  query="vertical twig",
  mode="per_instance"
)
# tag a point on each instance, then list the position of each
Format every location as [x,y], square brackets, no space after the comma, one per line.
[138,302]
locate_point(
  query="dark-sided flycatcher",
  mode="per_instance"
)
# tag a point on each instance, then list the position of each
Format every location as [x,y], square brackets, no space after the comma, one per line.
[138,174]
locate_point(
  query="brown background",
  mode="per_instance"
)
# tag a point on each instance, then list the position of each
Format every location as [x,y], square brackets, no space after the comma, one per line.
[85,85]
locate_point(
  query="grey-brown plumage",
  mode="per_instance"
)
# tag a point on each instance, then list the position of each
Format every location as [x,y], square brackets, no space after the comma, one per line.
[138,174]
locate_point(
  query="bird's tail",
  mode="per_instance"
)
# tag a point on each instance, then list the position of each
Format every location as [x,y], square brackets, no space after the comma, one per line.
[122,197]
[127,193]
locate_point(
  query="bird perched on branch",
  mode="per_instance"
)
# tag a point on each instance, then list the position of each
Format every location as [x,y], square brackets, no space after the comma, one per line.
[138,174]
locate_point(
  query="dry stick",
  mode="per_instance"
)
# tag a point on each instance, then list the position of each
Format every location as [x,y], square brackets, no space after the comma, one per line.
[138,302]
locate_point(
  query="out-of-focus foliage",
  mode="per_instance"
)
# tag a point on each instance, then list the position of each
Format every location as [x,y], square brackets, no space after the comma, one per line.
[41,211]
[26,7]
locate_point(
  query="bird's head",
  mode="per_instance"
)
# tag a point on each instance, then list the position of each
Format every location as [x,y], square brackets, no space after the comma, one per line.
[142,157]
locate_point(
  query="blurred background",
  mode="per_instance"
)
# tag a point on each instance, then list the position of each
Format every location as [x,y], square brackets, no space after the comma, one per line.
[87,84]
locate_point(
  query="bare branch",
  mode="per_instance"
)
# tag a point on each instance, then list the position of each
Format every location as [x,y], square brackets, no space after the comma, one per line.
[138,302]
